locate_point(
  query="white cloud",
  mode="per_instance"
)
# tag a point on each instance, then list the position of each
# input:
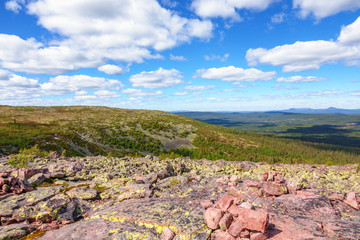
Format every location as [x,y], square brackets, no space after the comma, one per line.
[15,87]
[66,84]
[156,79]
[106,94]
[181,93]
[111,69]
[324,8]
[300,79]
[81,92]
[216,57]
[169,3]
[177,58]
[140,93]
[350,35]
[227,8]
[234,74]
[84,97]
[14,5]
[96,31]
[302,56]
[199,88]
[278,18]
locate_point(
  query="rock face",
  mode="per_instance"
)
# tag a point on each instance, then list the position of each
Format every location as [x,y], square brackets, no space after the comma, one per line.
[177,199]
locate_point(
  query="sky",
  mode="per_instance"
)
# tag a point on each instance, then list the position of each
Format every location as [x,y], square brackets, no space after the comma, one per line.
[195,55]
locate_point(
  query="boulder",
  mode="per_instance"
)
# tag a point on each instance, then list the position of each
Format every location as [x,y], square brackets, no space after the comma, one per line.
[225,221]
[274,188]
[167,234]
[15,231]
[351,200]
[251,183]
[223,236]
[225,202]
[213,217]
[236,228]
[255,220]
[37,179]
[84,193]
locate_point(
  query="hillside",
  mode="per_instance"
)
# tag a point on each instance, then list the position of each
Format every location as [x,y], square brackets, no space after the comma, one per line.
[88,131]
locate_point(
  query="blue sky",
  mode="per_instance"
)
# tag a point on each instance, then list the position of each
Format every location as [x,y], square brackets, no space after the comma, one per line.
[202,55]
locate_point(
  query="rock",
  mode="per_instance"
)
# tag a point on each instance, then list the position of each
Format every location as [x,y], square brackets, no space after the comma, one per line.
[26,173]
[274,189]
[352,201]
[4,174]
[3,181]
[15,231]
[6,188]
[236,228]
[223,236]
[258,236]
[247,205]
[255,220]
[37,179]
[225,202]
[251,183]
[213,217]
[234,178]
[207,204]
[147,179]
[84,193]
[54,155]
[265,177]
[336,196]
[167,234]
[225,221]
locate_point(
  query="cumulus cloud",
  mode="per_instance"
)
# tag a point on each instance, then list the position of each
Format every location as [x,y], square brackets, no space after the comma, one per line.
[95,31]
[156,79]
[15,87]
[216,57]
[140,93]
[106,94]
[234,74]
[199,88]
[227,8]
[300,79]
[14,5]
[302,56]
[324,8]
[67,84]
[111,69]
[177,58]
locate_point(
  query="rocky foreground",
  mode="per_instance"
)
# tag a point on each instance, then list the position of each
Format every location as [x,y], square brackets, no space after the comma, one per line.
[149,198]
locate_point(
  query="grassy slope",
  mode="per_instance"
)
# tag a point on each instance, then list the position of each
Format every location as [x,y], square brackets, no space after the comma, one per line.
[118,132]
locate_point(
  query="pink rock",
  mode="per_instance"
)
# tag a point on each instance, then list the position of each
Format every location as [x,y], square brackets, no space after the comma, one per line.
[207,204]
[336,196]
[25,173]
[225,202]
[352,201]
[279,178]
[236,228]
[274,189]
[223,181]
[4,174]
[255,220]
[245,234]
[212,217]
[251,183]
[167,234]
[258,236]
[265,176]
[225,221]
[223,236]
[247,205]
[234,178]
[3,181]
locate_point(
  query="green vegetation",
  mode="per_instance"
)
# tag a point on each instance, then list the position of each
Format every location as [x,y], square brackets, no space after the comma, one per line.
[86,131]
[22,159]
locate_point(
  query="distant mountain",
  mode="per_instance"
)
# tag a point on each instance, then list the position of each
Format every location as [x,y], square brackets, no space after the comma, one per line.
[330,110]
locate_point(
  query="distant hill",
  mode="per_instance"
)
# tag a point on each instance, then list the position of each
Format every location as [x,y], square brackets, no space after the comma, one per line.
[330,110]
[88,131]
